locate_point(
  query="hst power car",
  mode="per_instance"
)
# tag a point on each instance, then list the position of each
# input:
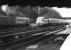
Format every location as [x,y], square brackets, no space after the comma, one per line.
[43,20]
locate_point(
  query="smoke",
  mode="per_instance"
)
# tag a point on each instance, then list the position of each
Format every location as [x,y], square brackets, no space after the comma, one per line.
[4,7]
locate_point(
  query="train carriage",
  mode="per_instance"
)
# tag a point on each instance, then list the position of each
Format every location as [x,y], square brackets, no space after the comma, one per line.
[13,21]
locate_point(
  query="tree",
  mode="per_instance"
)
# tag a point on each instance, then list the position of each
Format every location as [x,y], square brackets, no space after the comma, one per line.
[50,13]
[32,12]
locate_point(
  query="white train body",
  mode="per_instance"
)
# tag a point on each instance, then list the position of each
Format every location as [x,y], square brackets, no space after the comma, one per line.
[53,20]
[43,20]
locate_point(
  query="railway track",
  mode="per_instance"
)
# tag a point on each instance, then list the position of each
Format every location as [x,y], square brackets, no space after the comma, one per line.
[37,41]
[23,31]
[33,36]
[7,37]
[30,34]
[24,42]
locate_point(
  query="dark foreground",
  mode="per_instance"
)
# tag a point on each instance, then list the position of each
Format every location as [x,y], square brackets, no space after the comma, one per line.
[44,44]
[42,41]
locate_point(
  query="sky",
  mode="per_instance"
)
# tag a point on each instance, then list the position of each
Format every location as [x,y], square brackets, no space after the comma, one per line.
[65,12]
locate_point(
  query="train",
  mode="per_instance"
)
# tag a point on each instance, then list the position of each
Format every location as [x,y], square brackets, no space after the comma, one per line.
[26,21]
[50,21]
[14,20]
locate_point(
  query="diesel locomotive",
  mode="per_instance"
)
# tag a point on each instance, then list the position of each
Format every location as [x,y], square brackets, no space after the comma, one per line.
[14,20]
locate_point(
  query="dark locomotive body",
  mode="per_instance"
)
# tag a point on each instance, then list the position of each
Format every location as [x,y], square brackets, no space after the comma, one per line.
[13,21]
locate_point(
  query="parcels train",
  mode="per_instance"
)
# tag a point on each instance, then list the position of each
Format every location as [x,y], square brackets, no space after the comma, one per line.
[13,20]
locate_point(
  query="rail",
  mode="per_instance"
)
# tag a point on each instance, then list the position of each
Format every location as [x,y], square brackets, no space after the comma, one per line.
[28,32]
[21,41]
